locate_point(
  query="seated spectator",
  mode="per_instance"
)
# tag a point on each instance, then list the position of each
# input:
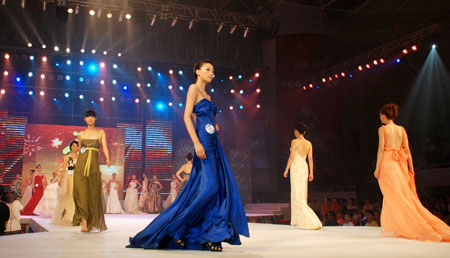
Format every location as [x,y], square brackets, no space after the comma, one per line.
[368,206]
[348,220]
[370,219]
[335,207]
[351,204]
[325,206]
[331,219]
[15,207]
[340,218]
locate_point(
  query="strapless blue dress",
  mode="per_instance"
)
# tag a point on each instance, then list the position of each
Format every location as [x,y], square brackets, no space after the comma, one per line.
[209,209]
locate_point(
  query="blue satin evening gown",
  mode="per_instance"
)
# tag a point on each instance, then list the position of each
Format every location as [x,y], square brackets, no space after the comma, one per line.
[209,209]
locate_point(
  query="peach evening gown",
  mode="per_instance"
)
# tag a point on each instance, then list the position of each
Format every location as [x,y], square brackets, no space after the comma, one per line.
[403,215]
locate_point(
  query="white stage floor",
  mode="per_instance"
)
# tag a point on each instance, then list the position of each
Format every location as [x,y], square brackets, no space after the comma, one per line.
[266,240]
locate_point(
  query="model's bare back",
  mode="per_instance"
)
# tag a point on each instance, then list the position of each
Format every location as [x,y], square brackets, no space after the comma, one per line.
[394,136]
[302,147]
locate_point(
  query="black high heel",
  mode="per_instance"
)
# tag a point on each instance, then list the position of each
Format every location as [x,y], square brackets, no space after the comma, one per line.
[179,242]
[214,247]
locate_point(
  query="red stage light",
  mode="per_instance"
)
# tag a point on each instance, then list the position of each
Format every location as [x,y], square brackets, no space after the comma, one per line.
[324,80]
[42,93]
[170,71]
[258,90]
[170,87]
[5,73]
[360,68]
[42,76]
[6,56]
[414,48]
[138,84]
[304,87]
[368,66]
[405,51]
[375,62]
[102,82]
[231,107]
[3,92]
[258,106]
[101,99]
[343,74]
[136,100]
[44,59]
[231,77]
[232,91]
[311,85]
[102,64]
[382,60]
[256,75]
[329,78]
[336,75]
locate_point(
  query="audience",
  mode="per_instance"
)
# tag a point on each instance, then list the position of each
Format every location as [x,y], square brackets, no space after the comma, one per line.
[4,209]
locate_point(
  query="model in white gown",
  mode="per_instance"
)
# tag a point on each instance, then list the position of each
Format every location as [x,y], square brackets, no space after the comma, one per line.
[47,205]
[131,198]
[301,214]
[28,192]
[174,185]
[113,204]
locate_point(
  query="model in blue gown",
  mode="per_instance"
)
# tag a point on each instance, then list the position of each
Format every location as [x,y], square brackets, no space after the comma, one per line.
[209,209]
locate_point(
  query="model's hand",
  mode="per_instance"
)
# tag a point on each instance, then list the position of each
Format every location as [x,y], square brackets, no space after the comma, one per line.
[217,127]
[286,173]
[311,177]
[108,163]
[200,151]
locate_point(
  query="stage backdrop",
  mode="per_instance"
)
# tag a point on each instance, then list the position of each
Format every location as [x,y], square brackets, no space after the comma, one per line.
[45,144]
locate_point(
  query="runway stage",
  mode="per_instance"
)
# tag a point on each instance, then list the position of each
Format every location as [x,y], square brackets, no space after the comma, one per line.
[267,240]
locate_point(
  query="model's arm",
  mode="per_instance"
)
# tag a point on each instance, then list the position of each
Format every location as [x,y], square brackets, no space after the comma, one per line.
[405,145]
[380,151]
[291,158]
[61,166]
[311,162]
[107,187]
[190,102]
[178,174]
[138,184]
[159,184]
[105,147]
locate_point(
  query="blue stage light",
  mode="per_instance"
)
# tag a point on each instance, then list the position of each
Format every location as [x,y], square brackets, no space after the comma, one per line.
[241,107]
[125,87]
[67,77]
[148,100]
[68,62]
[351,75]
[149,85]
[18,79]
[66,94]
[57,64]
[250,80]
[212,90]
[149,68]
[398,60]
[30,74]
[30,93]
[113,98]
[31,58]
[160,106]
[81,79]
[114,82]
[239,76]
[81,97]
[92,102]
[180,105]
[180,72]
[159,74]
[81,63]
[54,99]
[115,66]
[181,87]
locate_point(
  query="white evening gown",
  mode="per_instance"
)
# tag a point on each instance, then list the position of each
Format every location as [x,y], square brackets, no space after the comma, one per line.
[301,214]
[172,196]
[131,199]
[113,204]
[47,205]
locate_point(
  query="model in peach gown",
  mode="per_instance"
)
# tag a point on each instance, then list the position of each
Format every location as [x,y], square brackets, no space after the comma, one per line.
[403,215]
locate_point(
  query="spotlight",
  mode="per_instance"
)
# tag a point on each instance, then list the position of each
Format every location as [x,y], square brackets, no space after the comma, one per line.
[232,91]
[256,75]
[113,98]
[31,58]
[170,104]
[304,87]
[433,46]
[102,82]
[241,92]
[29,45]
[121,16]
[68,62]
[115,66]
[324,80]
[5,73]
[6,56]
[3,92]
[375,62]
[170,87]
[139,69]
[70,10]
[241,107]
[159,74]
[93,51]
[231,107]
[148,85]
[149,68]
[102,64]
[181,88]
[336,75]
[81,96]
[259,106]
[101,99]
[42,76]
[174,22]
[170,71]
[109,15]
[360,68]
[127,16]
[343,74]
[239,76]
[114,82]
[233,29]
[81,63]
[81,79]
[54,99]
[258,90]
[67,78]
[180,104]
[212,90]
[18,79]
[220,27]
[191,23]
[148,100]
[414,48]
[330,78]
[42,93]
[405,51]
[368,66]
[82,51]
[91,12]
[398,60]
[44,46]
[56,48]
[136,100]
[125,87]
[30,74]
[66,95]
[311,85]
[153,20]
[105,53]
[180,72]
[246,32]
[138,84]
[67,50]
[382,60]
[231,77]
[30,93]
[119,54]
